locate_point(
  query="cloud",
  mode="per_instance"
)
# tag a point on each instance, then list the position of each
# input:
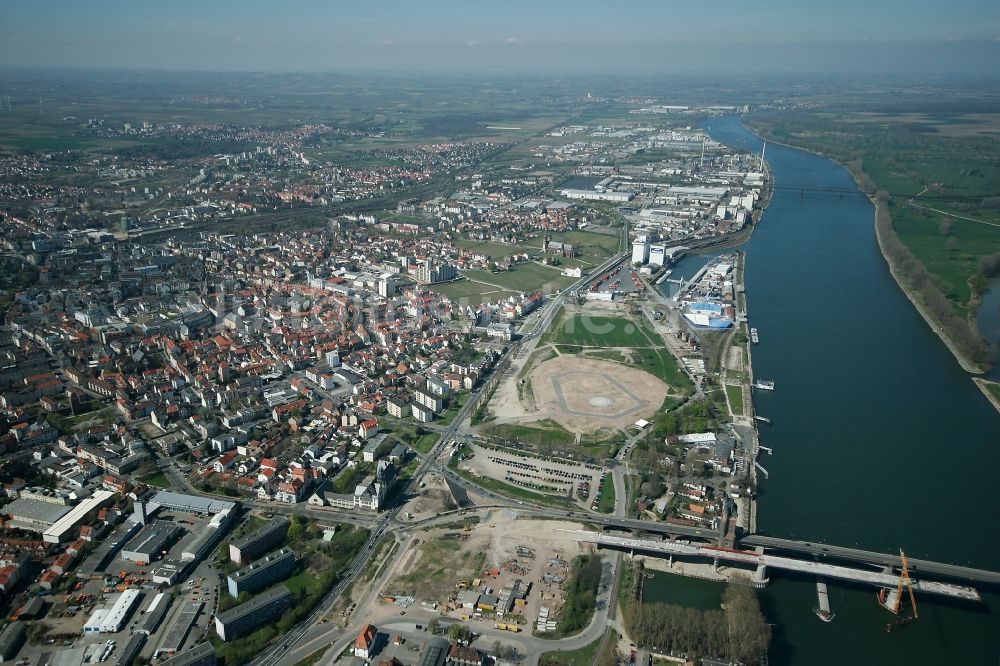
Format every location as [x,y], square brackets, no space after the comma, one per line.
[472,42]
[512,40]
[385,42]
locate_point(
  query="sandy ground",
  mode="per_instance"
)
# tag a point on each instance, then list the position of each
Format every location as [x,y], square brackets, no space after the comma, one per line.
[584,395]
[433,499]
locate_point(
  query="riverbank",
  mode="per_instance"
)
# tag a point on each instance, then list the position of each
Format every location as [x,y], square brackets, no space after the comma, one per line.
[964,361]
[984,386]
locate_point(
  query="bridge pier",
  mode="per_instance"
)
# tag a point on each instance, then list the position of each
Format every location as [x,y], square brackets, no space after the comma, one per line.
[760,579]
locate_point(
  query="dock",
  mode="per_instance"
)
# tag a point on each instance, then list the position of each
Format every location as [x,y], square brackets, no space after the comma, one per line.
[762,419]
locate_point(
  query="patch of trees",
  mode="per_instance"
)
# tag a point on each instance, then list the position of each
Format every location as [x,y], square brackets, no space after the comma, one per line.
[581,595]
[737,633]
[917,278]
[693,417]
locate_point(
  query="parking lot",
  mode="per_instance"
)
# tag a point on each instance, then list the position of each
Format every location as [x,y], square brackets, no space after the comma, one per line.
[582,483]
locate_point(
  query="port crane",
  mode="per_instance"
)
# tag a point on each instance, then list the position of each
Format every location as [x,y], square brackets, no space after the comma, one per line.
[892,600]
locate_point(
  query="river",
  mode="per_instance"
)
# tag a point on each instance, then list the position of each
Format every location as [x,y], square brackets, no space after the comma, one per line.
[880,440]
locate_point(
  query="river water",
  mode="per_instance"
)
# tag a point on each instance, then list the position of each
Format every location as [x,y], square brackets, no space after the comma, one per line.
[880,440]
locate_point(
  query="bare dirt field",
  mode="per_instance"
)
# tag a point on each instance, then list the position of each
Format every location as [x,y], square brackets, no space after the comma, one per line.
[434,498]
[497,551]
[585,395]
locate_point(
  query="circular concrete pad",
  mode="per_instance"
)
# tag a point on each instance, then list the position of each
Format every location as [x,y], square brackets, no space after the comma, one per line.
[601,402]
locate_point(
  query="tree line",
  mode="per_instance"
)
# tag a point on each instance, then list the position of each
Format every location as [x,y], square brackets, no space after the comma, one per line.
[581,595]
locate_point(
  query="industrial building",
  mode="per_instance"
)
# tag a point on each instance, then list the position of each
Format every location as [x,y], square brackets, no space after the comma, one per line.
[179,628]
[67,526]
[246,617]
[93,623]
[154,613]
[202,654]
[130,650]
[271,568]
[434,652]
[34,515]
[119,613]
[188,503]
[259,542]
[11,639]
[598,195]
[151,542]
[168,573]
[640,251]
[106,550]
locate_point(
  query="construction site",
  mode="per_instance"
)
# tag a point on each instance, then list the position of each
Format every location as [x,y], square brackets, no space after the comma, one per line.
[504,572]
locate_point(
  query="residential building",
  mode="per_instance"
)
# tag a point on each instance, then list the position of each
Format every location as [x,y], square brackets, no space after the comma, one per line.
[271,568]
[365,643]
[259,542]
[245,618]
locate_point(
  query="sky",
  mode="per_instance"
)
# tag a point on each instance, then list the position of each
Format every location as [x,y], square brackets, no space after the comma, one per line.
[582,36]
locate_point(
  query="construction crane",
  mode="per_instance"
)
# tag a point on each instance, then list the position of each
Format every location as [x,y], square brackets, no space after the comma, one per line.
[892,600]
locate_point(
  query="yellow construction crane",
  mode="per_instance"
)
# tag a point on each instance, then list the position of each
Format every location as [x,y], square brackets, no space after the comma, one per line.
[894,603]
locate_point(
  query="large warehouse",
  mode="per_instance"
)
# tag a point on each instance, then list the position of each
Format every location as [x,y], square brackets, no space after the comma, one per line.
[151,543]
[68,526]
[33,515]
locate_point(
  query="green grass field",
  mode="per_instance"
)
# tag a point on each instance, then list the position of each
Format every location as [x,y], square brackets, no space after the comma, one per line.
[951,259]
[598,331]
[158,480]
[539,432]
[607,501]
[659,362]
[590,243]
[497,251]
[524,277]
[472,293]
[735,394]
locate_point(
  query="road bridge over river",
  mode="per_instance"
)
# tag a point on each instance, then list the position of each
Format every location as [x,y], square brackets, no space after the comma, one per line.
[915,566]
[761,561]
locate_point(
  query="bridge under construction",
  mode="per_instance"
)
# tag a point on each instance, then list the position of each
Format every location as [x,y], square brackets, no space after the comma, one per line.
[760,562]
